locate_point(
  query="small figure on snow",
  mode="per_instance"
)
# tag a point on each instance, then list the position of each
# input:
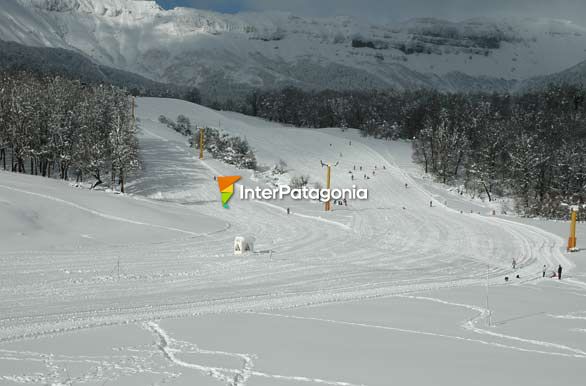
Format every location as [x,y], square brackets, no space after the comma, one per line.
[560,272]
[544,270]
[514,264]
[406,185]
[288,211]
[431,204]
[345,202]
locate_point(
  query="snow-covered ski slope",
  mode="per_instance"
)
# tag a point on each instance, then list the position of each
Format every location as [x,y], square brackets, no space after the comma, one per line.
[173,240]
[395,285]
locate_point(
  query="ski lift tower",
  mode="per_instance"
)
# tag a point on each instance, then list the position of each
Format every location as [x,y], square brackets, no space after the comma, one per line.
[328,204]
[573,219]
[201,142]
[572,241]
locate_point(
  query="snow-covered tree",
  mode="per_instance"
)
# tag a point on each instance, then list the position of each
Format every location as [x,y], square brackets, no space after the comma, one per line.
[57,126]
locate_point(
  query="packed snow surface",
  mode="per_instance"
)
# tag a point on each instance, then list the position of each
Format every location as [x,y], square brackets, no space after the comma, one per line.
[144,288]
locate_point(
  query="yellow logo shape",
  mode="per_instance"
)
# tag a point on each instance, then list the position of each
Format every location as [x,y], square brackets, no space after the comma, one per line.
[226,184]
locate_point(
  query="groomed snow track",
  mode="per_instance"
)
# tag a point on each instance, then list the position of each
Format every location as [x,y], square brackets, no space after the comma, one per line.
[158,259]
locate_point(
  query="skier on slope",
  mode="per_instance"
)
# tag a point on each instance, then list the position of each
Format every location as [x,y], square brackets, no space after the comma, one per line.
[560,272]
[514,264]
[544,270]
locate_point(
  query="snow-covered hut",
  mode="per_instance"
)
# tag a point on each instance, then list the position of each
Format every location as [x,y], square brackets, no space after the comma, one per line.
[243,245]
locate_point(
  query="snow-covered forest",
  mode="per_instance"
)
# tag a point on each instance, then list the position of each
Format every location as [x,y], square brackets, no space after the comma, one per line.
[531,146]
[54,127]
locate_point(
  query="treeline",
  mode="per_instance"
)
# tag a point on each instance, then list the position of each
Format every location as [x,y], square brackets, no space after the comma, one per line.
[53,127]
[530,146]
[383,114]
[230,149]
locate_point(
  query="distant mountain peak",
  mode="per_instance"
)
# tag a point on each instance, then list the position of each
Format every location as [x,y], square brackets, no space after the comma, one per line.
[227,55]
[100,7]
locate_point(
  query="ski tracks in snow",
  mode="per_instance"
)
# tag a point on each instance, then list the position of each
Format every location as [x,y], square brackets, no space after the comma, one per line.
[101,214]
[57,369]
[172,348]
[388,252]
[471,325]
[483,314]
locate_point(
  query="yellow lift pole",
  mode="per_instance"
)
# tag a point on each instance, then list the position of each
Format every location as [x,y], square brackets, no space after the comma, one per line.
[201,142]
[572,239]
[328,205]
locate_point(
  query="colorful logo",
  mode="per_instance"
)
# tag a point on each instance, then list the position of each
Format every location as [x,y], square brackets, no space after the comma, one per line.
[226,185]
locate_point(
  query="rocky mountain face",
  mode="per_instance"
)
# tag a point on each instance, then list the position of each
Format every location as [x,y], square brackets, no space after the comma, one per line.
[228,55]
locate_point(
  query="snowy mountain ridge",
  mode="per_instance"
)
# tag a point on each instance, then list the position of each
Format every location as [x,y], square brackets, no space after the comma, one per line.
[228,54]
[109,8]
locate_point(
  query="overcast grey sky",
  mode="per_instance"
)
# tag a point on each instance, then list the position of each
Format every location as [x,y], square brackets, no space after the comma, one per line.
[393,10]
